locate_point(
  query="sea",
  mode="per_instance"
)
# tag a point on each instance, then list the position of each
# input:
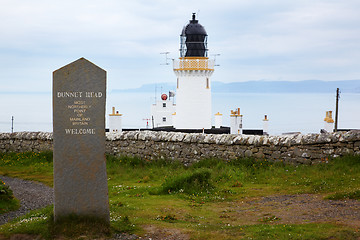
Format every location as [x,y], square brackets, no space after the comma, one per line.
[287,112]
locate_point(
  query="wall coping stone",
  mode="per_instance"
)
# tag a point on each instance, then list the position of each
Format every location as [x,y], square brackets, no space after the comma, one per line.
[220,139]
[27,135]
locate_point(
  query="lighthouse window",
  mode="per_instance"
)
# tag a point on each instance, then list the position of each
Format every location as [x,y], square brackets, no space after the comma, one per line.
[164,104]
[164,119]
[207,83]
[177,84]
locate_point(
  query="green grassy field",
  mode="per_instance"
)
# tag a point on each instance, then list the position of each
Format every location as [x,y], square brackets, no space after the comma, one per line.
[197,200]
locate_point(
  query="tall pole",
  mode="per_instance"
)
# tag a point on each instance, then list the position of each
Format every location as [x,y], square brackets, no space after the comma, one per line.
[337,109]
[12,124]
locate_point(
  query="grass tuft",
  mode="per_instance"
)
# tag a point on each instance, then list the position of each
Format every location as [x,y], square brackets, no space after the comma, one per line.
[124,225]
[345,195]
[196,183]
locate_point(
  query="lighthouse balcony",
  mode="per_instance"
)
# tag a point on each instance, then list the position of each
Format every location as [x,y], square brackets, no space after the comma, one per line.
[194,63]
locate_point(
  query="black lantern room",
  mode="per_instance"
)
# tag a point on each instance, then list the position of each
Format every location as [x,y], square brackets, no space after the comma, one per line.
[193,40]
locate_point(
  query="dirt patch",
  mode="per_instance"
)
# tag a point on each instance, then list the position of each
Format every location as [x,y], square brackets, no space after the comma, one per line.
[156,233]
[293,209]
[277,209]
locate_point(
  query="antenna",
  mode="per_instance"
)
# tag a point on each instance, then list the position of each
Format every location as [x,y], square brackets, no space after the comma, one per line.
[12,124]
[337,109]
[166,58]
[155,94]
[215,55]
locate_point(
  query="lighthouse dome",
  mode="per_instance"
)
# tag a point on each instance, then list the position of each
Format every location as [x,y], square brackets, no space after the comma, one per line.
[193,40]
[193,28]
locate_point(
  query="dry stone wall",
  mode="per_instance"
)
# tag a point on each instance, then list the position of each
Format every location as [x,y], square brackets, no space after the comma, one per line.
[26,142]
[190,147]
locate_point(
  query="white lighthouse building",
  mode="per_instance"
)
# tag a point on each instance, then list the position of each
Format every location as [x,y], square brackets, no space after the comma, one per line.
[115,121]
[162,112]
[236,122]
[193,71]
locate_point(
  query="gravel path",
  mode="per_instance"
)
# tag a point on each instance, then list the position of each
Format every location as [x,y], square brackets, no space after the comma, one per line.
[32,195]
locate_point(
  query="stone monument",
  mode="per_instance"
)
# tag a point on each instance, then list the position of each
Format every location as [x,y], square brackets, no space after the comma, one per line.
[80,180]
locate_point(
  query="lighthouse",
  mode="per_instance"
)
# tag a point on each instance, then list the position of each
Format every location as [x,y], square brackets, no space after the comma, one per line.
[193,71]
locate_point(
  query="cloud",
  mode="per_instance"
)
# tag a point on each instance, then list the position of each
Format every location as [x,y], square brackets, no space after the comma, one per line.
[258,39]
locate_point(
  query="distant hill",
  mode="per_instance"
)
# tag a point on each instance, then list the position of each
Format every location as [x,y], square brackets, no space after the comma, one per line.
[149,88]
[307,86]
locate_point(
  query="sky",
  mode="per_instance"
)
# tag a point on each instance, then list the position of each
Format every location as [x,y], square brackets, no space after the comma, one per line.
[256,39]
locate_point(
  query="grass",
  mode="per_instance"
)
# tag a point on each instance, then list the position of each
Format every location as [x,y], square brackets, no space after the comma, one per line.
[33,223]
[344,195]
[87,226]
[195,199]
[303,231]
[41,223]
[197,182]
[28,165]
[9,205]
[7,200]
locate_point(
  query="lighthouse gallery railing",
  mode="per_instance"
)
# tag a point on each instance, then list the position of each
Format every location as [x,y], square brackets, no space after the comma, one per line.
[194,63]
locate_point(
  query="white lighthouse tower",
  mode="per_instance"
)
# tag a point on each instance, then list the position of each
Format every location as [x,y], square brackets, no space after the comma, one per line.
[193,71]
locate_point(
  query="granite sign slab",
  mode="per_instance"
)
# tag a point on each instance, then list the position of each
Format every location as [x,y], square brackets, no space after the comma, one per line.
[80,181]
